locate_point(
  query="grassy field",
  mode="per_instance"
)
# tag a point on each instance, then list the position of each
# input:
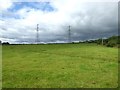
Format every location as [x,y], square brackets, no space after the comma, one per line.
[59,66]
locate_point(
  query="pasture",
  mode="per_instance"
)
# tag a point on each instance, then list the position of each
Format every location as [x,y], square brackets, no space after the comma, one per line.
[59,66]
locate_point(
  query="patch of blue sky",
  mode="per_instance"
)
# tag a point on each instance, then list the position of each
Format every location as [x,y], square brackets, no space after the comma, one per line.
[8,14]
[44,6]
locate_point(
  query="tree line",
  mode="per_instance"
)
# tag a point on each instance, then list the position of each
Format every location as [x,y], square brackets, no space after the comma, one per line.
[113,41]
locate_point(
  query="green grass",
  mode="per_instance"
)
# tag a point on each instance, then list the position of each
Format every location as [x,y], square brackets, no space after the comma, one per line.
[60,66]
[0,66]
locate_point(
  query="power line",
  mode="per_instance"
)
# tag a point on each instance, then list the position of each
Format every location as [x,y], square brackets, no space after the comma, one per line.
[37,35]
[69,34]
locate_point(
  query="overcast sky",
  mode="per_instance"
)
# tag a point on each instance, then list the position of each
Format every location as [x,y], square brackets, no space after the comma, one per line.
[88,20]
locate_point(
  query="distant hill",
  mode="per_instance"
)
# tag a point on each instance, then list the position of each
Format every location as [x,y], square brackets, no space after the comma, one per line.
[113,41]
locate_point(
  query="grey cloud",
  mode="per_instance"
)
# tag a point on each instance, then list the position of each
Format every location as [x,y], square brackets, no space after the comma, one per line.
[95,20]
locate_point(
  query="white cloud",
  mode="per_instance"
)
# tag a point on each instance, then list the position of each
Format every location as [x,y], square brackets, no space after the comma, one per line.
[84,18]
[5,4]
